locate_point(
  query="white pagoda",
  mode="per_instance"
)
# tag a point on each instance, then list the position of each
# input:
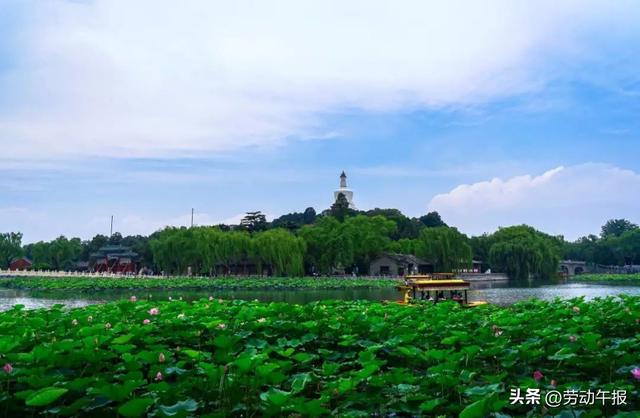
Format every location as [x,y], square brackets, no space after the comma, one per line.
[345,191]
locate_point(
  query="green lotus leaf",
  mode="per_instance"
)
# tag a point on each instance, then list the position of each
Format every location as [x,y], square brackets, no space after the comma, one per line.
[275,397]
[135,407]
[188,405]
[45,396]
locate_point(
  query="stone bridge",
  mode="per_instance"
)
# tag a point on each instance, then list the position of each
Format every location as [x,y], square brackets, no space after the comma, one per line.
[573,268]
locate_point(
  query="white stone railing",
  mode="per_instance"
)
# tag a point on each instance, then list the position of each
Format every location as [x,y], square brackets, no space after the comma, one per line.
[56,273]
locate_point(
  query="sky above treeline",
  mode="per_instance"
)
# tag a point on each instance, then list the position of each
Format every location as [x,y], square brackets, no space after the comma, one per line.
[493,114]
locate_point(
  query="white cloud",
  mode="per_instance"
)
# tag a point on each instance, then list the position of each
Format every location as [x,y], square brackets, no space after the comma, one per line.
[570,201]
[150,78]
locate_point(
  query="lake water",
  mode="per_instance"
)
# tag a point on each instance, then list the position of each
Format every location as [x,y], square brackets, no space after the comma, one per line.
[499,293]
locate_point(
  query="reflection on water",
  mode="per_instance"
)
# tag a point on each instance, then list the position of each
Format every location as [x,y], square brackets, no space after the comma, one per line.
[499,293]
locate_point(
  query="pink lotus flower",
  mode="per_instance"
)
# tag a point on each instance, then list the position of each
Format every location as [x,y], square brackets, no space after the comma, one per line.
[7,368]
[635,373]
[221,326]
[158,377]
[573,338]
[107,325]
[554,383]
[74,322]
[161,358]
[154,311]
[133,299]
[537,375]
[146,322]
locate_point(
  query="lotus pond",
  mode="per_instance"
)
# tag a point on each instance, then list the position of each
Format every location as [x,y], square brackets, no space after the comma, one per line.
[91,284]
[608,277]
[498,293]
[214,357]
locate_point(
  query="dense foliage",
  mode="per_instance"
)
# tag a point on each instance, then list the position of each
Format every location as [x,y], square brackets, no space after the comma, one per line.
[520,252]
[9,247]
[169,250]
[333,243]
[58,254]
[617,227]
[445,247]
[215,358]
[617,245]
[208,250]
[100,283]
[333,246]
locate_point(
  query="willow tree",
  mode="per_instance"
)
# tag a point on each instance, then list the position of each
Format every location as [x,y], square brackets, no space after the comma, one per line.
[522,252]
[281,250]
[446,247]
[176,249]
[327,246]
[333,245]
[233,248]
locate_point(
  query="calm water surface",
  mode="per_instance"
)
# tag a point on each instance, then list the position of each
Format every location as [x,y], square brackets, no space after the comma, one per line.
[500,293]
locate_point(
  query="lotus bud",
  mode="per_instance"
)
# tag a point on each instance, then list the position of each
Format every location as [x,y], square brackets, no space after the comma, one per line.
[161,358]
[7,368]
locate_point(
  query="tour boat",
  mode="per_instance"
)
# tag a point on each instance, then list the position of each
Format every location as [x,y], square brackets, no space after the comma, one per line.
[437,287]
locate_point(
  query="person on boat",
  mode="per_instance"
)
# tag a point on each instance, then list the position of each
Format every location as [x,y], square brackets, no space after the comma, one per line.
[457,297]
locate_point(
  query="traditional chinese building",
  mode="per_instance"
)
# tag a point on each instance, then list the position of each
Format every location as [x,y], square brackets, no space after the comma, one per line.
[20,263]
[390,264]
[114,259]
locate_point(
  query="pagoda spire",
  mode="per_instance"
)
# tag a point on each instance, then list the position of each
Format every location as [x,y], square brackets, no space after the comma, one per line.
[343,180]
[344,191]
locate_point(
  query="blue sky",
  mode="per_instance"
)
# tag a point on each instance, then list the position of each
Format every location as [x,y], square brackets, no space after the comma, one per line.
[494,115]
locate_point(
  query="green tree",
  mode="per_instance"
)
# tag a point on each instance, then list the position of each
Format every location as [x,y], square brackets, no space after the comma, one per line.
[405,227]
[340,209]
[280,250]
[293,221]
[617,227]
[481,245]
[522,252]
[446,247]
[334,245]
[432,220]
[629,246]
[90,247]
[254,221]
[10,247]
